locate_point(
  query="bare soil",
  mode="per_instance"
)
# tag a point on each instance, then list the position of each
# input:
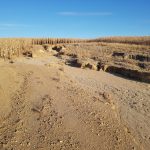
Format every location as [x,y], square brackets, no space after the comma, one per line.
[47,105]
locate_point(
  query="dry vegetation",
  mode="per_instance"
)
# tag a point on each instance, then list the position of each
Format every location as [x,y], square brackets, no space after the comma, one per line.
[102,50]
[13,47]
[10,47]
[145,40]
[56,41]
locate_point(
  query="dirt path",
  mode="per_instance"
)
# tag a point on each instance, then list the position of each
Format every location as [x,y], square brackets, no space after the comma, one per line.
[53,106]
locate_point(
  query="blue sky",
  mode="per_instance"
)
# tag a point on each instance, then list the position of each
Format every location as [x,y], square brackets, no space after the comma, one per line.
[74,18]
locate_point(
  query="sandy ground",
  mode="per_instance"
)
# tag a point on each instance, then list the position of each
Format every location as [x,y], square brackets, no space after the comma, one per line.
[47,105]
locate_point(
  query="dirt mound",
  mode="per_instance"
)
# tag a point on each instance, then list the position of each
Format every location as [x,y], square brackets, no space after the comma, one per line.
[83,63]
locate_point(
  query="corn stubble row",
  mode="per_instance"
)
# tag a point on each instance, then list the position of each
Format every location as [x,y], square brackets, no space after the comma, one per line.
[143,40]
[13,47]
[10,47]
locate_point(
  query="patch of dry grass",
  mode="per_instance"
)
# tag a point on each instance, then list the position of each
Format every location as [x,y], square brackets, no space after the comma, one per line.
[143,40]
[10,47]
[13,47]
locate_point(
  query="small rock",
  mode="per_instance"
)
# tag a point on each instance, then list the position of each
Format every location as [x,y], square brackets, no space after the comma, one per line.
[37,108]
[106,95]
[11,61]
[61,141]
